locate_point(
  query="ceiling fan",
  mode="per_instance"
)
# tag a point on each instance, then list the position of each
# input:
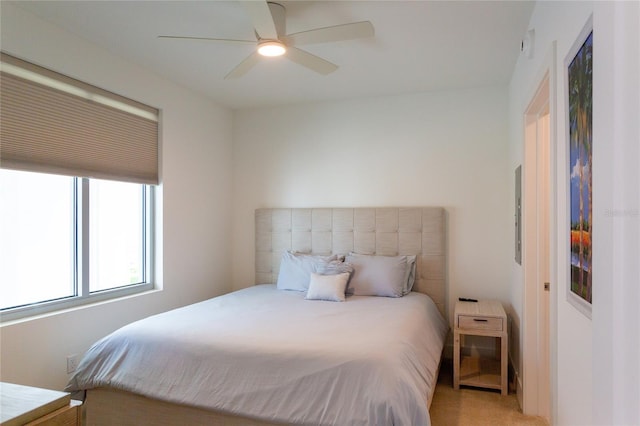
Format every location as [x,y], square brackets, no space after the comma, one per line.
[272,40]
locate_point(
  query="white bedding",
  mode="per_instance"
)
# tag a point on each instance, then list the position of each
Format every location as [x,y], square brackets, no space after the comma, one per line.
[272,355]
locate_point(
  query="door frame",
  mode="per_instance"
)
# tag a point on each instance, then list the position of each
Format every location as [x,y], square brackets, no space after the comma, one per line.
[543,98]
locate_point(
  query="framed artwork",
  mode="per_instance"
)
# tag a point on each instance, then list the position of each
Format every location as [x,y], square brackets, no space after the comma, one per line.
[579,107]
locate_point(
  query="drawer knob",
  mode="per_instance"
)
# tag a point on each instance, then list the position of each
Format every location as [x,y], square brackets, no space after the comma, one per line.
[480,320]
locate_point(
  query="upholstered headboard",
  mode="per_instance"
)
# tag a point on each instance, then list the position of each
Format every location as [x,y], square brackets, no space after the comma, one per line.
[390,231]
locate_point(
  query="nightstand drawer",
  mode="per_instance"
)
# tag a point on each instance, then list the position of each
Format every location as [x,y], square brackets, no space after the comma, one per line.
[479,323]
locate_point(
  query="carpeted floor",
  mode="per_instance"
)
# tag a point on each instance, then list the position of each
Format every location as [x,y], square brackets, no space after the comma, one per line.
[471,407]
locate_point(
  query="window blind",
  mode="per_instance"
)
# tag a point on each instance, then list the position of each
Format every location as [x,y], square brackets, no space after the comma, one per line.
[52,123]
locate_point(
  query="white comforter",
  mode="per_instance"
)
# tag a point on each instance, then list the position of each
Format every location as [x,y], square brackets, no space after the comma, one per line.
[270,354]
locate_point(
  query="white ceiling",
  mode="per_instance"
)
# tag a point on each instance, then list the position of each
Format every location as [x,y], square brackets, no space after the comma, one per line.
[418,46]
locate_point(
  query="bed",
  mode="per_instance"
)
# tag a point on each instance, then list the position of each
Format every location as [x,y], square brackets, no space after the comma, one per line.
[266,355]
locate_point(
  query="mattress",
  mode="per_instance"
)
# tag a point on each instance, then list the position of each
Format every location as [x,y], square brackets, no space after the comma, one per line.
[272,355]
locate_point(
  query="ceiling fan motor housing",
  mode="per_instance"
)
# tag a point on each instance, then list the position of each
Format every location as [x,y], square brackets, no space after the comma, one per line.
[271,48]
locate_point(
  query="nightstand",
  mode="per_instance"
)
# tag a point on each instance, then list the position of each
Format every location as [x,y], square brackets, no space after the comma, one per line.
[26,405]
[482,318]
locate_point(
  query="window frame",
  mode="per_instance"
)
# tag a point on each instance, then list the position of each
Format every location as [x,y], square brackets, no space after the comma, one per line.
[81,260]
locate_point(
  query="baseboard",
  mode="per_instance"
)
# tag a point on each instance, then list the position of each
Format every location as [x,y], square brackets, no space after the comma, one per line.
[519,391]
[515,383]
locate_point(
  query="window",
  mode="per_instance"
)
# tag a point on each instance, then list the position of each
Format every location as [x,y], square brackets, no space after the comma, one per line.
[36,238]
[116,236]
[67,240]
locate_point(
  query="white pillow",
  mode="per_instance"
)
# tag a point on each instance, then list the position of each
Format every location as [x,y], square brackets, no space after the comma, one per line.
[411,274]
[296,267]
[327,287]
[334,267]
[378,275]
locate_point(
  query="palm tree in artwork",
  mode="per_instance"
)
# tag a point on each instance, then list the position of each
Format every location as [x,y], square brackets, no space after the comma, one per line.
[587,122]
[575,130]
[580,113]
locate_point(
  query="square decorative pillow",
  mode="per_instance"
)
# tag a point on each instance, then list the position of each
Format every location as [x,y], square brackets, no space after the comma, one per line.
[295,269]
[327,287]
[378,275]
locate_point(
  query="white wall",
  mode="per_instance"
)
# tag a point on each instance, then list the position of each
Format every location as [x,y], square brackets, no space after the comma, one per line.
[616,207]
[441,149]
[560,21]
[597,368]
[194,200]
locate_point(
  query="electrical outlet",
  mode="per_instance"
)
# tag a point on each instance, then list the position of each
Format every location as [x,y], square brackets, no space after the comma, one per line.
[72,363]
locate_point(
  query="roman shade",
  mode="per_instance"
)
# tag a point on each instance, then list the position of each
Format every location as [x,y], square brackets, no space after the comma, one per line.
[52,123]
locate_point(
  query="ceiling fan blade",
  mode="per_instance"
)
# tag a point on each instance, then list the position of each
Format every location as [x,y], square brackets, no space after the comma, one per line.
[243,67]
[329,34]
[226,40]
[310,61]
[262,20]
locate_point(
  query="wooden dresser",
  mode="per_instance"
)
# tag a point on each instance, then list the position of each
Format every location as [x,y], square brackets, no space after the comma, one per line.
[26,405]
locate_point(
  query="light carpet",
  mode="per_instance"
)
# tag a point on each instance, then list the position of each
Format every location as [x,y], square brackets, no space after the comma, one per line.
[471,407]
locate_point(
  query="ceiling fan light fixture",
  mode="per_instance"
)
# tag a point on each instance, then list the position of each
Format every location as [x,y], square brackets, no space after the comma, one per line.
[271,48]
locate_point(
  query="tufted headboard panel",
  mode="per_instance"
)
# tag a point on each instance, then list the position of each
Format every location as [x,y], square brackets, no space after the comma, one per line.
[392,231]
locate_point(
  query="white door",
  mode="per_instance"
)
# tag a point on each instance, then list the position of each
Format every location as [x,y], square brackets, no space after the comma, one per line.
[537,229]
[544,275]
